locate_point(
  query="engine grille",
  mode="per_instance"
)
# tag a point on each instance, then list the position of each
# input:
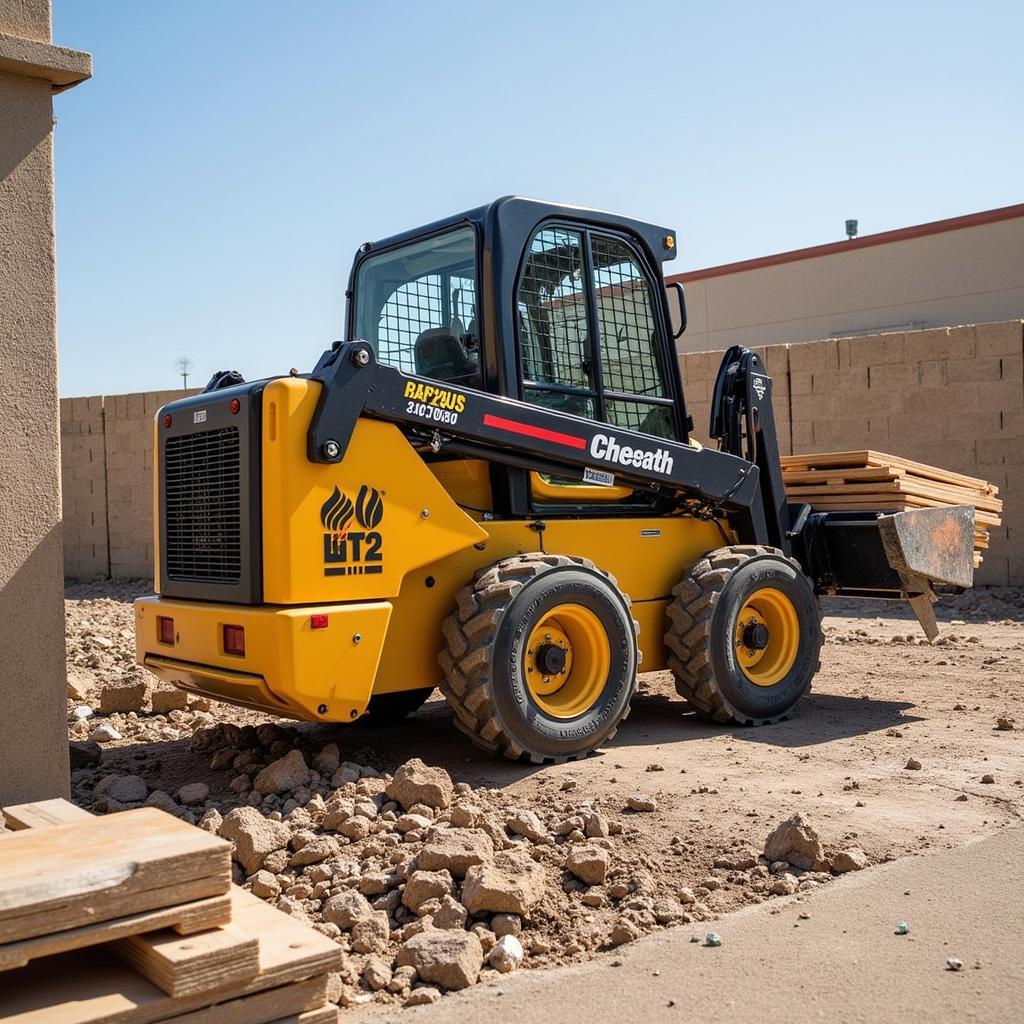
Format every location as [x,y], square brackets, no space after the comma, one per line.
[202,506]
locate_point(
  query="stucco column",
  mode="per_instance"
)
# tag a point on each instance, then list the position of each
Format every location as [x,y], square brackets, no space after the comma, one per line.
[33,689]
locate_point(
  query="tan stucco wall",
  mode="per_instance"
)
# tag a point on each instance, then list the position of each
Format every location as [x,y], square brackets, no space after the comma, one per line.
[33,736]
[970,275]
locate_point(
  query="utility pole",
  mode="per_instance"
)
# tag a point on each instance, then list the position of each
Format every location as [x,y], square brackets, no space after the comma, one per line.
[184,365]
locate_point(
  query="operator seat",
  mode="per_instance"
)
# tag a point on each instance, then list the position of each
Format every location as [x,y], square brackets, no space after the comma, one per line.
[441,354]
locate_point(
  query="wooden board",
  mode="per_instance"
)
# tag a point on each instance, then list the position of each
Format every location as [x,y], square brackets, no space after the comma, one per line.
[185,919]
[43,813]
[948,495]
[184,965]
[862,459]
[67,876]
[93,987]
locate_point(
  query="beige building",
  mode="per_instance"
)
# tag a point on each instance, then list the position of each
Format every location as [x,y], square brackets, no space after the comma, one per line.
[964,270]
[33,732]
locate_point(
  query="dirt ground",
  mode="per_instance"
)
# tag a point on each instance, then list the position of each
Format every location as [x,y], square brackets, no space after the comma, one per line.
[884,699]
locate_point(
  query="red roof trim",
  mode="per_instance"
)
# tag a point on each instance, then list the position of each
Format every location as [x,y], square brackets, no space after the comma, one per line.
[935,227]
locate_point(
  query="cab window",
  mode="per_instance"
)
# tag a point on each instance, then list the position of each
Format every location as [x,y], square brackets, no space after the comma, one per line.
[416,306]
[635,391]
[589,335]
[552,315]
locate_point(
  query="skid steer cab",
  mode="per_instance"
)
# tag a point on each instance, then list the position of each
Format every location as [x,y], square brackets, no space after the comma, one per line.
[490,487]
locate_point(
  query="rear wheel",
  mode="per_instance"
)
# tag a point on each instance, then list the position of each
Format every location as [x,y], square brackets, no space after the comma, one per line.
[540,658]
[744,635]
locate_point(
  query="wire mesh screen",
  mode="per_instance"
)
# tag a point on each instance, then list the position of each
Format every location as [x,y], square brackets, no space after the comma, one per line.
[625,317]
[413,308]
[642,416]
[429,302]
[552,311]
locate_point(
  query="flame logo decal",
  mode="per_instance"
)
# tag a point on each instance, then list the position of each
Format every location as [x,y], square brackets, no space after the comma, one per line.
[336,512]
[369,507]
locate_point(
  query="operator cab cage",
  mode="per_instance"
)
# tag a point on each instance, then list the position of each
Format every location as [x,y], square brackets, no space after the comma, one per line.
[559,306]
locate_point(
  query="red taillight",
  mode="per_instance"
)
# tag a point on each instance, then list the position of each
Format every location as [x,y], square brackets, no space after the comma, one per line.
[235,406]
[168,419]
[318,622]
[165,626]
[234,640]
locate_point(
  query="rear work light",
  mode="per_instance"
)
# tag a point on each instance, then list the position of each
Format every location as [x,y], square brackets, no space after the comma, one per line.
[165,629]
[234,640]
[318,622]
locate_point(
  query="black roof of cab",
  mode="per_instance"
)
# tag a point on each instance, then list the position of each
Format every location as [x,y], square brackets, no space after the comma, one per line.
[513,219]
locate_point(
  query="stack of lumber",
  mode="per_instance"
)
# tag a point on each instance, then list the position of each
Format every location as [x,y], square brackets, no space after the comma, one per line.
[835,481]
[132,919]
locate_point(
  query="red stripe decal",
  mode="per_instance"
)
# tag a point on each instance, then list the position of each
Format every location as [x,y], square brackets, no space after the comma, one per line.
[528,431]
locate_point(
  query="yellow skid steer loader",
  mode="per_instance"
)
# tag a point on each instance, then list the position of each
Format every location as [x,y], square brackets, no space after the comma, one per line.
[490,487]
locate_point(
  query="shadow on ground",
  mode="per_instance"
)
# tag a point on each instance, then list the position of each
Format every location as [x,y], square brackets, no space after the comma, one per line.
[656,720]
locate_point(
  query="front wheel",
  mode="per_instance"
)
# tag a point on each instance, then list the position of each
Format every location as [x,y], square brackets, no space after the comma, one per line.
[744,635]
[540,659]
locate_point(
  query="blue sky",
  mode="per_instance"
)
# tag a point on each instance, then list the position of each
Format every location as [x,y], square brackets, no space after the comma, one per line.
[217,174]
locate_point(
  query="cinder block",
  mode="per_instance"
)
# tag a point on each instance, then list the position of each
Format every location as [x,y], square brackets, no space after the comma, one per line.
[836,380]
[939,343]
[998,451]
[776,357]
[926,401]
[803,436]
[996,572]
[979,369]
[874,350]
[998,339]
[932,373]
[892,376]
[816,356]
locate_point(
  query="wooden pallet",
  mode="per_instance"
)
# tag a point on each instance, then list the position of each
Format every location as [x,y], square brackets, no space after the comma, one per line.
[186,919]
[265,967]
[93,987]
[71,875]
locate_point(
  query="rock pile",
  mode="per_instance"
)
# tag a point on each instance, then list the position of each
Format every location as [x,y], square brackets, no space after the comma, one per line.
[429,885]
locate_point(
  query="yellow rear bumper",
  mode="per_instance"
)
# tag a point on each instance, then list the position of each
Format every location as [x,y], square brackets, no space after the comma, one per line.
[288,668]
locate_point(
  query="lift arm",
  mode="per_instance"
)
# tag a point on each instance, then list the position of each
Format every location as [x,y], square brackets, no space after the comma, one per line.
[467,421]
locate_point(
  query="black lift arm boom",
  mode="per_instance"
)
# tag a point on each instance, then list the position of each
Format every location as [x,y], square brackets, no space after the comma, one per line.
[702,481]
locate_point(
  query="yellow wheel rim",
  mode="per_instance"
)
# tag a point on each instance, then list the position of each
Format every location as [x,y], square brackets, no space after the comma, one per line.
[567,661]
[768,609]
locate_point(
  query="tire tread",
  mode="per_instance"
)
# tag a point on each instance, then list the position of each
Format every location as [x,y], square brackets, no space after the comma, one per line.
[470,634]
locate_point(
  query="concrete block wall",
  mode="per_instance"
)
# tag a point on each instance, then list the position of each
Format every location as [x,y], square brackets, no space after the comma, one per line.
[84,488]
[107,470]
[952,397]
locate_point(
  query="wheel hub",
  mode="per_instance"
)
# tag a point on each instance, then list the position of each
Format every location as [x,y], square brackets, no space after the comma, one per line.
[567,660]
[755,636]
[767,636]
[551,659]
